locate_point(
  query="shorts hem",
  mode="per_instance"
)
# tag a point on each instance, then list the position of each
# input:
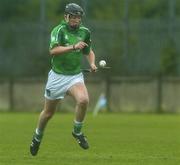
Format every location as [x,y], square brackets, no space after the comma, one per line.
[50,98]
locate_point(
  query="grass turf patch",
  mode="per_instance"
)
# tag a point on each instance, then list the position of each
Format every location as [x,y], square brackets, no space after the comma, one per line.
[114,139]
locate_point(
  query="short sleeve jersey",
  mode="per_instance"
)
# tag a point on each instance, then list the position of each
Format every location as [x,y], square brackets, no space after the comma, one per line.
[62,35]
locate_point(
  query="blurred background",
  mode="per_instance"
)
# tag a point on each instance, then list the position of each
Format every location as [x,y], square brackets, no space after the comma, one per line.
[139,39]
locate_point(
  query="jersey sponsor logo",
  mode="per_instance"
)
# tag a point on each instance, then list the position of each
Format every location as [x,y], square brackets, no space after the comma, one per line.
[77,50]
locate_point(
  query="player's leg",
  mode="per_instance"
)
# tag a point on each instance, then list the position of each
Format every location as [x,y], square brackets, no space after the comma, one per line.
[46,114]
[80,94]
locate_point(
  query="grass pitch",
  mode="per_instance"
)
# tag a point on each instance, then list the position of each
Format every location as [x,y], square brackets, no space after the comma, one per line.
[115,139]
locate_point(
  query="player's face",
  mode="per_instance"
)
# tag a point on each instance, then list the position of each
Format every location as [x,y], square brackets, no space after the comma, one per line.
[74,20]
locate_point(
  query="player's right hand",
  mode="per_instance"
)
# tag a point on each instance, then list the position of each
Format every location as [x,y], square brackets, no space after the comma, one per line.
[93,67]
[80,45]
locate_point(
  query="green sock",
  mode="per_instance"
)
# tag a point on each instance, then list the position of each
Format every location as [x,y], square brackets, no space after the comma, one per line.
[77,127]
[38,134]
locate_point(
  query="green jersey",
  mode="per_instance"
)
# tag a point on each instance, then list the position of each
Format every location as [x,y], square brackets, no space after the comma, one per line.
[69,63]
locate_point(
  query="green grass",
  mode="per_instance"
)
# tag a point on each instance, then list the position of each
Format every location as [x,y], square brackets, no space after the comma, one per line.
[115,139]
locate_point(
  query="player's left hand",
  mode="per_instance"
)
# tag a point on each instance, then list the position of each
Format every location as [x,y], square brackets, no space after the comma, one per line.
[93,67]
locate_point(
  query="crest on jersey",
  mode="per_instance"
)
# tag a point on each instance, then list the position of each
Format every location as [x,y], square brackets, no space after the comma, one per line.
[66,37]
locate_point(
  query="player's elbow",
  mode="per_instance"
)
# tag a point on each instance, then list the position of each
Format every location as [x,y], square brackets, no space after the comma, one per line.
[51,52]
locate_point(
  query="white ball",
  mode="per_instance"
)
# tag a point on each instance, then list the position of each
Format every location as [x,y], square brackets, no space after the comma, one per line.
[102,63]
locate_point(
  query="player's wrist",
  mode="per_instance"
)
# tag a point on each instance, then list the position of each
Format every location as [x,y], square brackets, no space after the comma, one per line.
[92,64]
[74,47]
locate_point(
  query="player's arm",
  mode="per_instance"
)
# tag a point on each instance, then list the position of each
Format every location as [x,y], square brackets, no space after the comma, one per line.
[63,49]
[91,60]
[89,52]
[57,50]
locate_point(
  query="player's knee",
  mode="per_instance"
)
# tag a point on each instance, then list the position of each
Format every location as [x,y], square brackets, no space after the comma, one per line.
[84,101]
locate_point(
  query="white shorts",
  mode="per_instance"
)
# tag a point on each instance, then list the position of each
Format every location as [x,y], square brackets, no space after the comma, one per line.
[58,84]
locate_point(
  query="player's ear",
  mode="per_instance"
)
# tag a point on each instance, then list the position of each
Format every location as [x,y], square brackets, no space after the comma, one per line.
[66,17]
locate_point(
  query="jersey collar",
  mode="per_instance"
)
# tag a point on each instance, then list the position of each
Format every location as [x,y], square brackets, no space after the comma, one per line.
[68,27]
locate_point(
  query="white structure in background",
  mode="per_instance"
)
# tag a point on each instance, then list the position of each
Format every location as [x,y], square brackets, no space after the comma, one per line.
[101,104]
